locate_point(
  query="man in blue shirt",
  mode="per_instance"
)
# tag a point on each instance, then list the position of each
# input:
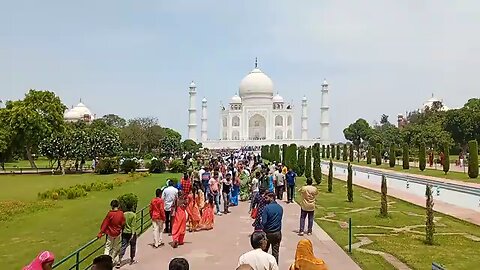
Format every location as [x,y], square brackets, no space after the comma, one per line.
[291,175]
[272,223]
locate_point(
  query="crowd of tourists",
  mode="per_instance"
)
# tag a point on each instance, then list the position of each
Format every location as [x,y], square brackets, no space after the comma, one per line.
[210,190]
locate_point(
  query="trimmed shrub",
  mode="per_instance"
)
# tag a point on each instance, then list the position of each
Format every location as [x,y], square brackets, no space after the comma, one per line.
[378,154]
[332,150]
[317,170]
[384,203]
[391,157]
[345,153]
[328,151]
[338,152]
[301,161]
[128,165]
[157,166]
[369,155]
[106,166]
[330,176]
[323,151]
[177,166]
[429,223]
[422,157]
[473,159]
[350,183]
[446,159]
[406,157]
[128,202]
[308,163]
[284,153]
[350,152]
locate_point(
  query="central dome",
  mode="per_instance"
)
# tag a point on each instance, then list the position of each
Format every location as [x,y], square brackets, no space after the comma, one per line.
[256,84]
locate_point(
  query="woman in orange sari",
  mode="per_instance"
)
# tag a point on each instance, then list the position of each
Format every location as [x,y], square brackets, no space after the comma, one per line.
[179,221]
[304,258]
[206,223]
[193,210]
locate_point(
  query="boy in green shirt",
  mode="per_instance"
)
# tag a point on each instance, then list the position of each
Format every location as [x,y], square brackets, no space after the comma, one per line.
[129,236]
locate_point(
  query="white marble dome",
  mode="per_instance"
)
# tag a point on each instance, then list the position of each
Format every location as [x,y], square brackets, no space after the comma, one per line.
[236,99]
[277,99]
[256,84]
[79,112]
[429,103]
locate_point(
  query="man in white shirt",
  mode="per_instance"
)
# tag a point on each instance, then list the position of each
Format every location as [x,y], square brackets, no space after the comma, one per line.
[257,258]
[169,196]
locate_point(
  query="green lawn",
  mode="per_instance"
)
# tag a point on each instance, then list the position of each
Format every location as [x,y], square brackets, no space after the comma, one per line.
[64,225]
[41,162]
[459,176]
[453,251]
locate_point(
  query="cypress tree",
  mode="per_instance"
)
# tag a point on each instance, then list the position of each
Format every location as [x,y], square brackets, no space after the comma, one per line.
[308,163]
[272,153]
[446,160]
[293,157]
[384,203]
[378,154]
[332,150]
[301,161]
[391,159]
[369,155]
[323,151]
[344,152]
[267,152]
[429,224]
[328,151]
[284,154]
[350,183]
[406,157]
[317,170]
[338,152]
[473,159]
[262,151]
[350,153]
[422,159]
[330,176]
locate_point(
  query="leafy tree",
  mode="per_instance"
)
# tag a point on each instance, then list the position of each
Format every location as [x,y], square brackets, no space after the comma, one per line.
[422,157]
[473,159]
[338,152]
[446,160]
[308,163]
[328,151]
[350,153]
[104,142]
[301,161]
[345,153]
[392,156]
[378,154]
[429,224]
[369,155]
[384,203]
[191,146]
[356,133]
[323,151]
[114,120]
[6,142]
[330,176]
[406,157]
[350,183]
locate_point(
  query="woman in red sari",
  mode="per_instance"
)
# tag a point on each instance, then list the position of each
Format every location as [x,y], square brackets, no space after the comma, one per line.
[206,223]
[179,221]
[192,210]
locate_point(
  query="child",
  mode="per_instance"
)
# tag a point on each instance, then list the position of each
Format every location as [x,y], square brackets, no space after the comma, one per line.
[129,235]
[157,213]
[44,261]
[206,223]
[112,227]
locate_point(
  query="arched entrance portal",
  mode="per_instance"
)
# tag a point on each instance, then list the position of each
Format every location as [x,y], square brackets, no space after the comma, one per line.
[257,128]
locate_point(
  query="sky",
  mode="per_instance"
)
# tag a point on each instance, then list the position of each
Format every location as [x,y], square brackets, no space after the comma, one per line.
[137,58]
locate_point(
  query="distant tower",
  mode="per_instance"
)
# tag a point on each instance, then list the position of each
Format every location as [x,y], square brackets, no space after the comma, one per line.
[192,113]
[324,117]
[204,130]
[304,119]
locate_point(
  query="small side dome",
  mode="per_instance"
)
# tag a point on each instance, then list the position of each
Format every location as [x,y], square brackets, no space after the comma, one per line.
[204,100]
[304,98]
[236,99]
[192,85]
[277,99]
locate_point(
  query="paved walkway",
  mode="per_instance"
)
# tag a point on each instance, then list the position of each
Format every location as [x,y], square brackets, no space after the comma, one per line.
[220,248]
[442,207]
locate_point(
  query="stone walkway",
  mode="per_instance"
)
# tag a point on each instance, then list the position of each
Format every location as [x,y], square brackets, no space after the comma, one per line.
[220,248]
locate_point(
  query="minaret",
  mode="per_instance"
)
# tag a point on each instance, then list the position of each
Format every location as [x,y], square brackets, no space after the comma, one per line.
[192,114]
[324,117]
[304,119]
[204,130]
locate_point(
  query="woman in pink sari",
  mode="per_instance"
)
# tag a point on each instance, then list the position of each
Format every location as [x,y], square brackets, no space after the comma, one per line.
[206,223]
[179,222]
[44,261]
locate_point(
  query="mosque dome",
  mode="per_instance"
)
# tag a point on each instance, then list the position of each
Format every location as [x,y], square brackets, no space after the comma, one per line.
[236,99]
[429,103]
[277,99]
[79,112]
[256,84]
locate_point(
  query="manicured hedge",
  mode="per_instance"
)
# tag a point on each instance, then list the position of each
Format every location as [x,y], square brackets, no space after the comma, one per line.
[473,159]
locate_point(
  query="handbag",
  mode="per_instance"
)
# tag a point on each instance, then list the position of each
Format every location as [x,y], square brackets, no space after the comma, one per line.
[254,213]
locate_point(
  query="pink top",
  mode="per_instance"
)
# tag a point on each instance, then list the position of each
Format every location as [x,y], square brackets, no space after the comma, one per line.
[213,185]
[42,258]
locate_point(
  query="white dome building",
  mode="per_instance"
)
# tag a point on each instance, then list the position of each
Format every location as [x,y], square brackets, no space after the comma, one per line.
[79,113]
[430,103]
[255,116]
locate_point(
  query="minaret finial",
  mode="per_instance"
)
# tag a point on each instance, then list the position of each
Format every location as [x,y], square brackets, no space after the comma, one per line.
[256,62]
[80,100]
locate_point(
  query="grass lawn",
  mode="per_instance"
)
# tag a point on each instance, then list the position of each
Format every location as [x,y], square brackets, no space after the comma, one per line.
[453,248]
[41,162]
[65,225]
[459,176]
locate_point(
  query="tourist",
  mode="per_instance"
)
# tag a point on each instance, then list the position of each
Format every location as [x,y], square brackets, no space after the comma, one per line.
[291,177]
[244,267]
[254,188]
[305,259]
[259,203]
[258,258]
[271,181]
[226,189]
[186,184]
[308,193]
[169,196]
[102,262]
[157,213]
[112,227]
[193,210]
[208,218]
[279,184]
[205,181]
[129,235]
[180,221]
[271,219]
[200,198]
[214,191]
[178,264]
[44,261]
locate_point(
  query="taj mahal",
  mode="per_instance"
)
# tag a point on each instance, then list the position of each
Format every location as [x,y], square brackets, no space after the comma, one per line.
[255,116]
